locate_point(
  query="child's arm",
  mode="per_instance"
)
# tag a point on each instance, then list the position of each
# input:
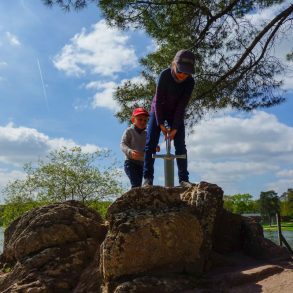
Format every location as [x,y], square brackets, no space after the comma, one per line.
[160,98]
[124,144]
[181,106]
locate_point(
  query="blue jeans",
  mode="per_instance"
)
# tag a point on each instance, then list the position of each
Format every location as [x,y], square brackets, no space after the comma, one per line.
[152,140]
[134,173]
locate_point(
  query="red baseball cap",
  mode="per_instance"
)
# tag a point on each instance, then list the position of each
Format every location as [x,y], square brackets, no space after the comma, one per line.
[140,111]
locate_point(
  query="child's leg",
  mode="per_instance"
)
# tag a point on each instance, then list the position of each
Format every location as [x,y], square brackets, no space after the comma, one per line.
[180,149]
[153,136]
[134,173]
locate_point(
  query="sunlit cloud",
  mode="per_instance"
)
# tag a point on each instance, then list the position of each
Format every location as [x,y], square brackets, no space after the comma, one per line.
[228,149]
[283,43]
[3,64]
[21,145]
[105,92]
[12,39]
[104,50]
[8,176]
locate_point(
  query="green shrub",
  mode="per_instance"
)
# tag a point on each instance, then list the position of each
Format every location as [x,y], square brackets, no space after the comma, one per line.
[100,206]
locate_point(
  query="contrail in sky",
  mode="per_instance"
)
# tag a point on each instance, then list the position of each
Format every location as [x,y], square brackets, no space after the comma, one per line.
[42,80]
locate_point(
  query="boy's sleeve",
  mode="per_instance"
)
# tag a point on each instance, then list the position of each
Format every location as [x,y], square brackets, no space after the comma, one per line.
[160,100]
[125,142]
[181,106]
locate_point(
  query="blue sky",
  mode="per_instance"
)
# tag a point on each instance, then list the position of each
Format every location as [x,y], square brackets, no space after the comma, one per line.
[57,74]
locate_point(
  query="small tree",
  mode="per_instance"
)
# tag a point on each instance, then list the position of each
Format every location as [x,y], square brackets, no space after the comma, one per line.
[66,174]
[239,203]
[287,204]
[269,204]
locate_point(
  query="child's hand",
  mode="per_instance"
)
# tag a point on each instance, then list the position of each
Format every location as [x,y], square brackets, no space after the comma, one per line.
[136,155]
[164,130]
[172,134]
[158,149]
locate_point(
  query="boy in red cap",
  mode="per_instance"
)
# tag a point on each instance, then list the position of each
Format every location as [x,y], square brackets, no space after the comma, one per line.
[133,144]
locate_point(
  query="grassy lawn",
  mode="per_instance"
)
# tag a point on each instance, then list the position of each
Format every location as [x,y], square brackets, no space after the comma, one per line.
[286,226]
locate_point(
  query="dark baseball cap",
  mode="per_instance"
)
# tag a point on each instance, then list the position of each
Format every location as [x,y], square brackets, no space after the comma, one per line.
[185,60]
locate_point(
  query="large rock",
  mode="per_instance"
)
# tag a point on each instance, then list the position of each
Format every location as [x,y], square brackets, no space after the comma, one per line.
[255,245]
[231,239]
[244,234]
[159,240]
[156,230]
[207,202]
[149,231]
[49,247]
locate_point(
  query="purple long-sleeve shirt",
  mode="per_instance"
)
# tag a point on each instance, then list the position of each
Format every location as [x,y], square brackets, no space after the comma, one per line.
[171,98]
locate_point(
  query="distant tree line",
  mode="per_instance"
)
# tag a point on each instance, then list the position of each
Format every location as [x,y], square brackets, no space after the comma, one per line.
[267,205]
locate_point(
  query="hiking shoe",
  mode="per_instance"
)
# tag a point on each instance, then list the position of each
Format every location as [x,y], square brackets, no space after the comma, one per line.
[147,182]
[185,184]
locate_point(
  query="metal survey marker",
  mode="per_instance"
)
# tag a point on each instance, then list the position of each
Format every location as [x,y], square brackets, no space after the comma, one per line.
[169,163]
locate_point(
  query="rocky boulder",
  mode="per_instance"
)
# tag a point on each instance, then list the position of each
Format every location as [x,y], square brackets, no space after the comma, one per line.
[255,245]
[155,239]
[47,249]
[159,231]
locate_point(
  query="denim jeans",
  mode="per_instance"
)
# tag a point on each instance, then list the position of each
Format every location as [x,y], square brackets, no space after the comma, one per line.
[152,140]
[134,172]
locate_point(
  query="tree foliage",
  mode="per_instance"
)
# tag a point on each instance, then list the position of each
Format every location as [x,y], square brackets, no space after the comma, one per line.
[66,174]
[240,203]
[15,208]
[234,64]
[287,203]
[269,204]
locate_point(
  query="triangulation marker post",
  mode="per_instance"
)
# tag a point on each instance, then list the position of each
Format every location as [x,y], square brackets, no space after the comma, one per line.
[169,163]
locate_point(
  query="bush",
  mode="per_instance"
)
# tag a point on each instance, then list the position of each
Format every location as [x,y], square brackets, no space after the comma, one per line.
[100,206]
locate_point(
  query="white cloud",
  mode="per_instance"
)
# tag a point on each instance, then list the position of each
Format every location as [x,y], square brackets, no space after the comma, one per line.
[105,90]
[135,80]
[263,15]
[284,181]
[104,97]
[6,176]
[12,39]
[104,51]
[228,150]
[2,64]
[288,82]
[20,145]
[258,136]
[285,173]
[280,185]
[283,44]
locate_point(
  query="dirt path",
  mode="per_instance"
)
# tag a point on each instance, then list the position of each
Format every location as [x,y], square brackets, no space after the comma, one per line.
[250,276]
[277,283]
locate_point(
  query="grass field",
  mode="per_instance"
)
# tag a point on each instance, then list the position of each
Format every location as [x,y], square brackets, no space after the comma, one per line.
[286,226]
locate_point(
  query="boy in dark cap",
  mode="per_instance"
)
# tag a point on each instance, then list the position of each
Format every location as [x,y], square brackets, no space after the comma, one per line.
[173,92]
